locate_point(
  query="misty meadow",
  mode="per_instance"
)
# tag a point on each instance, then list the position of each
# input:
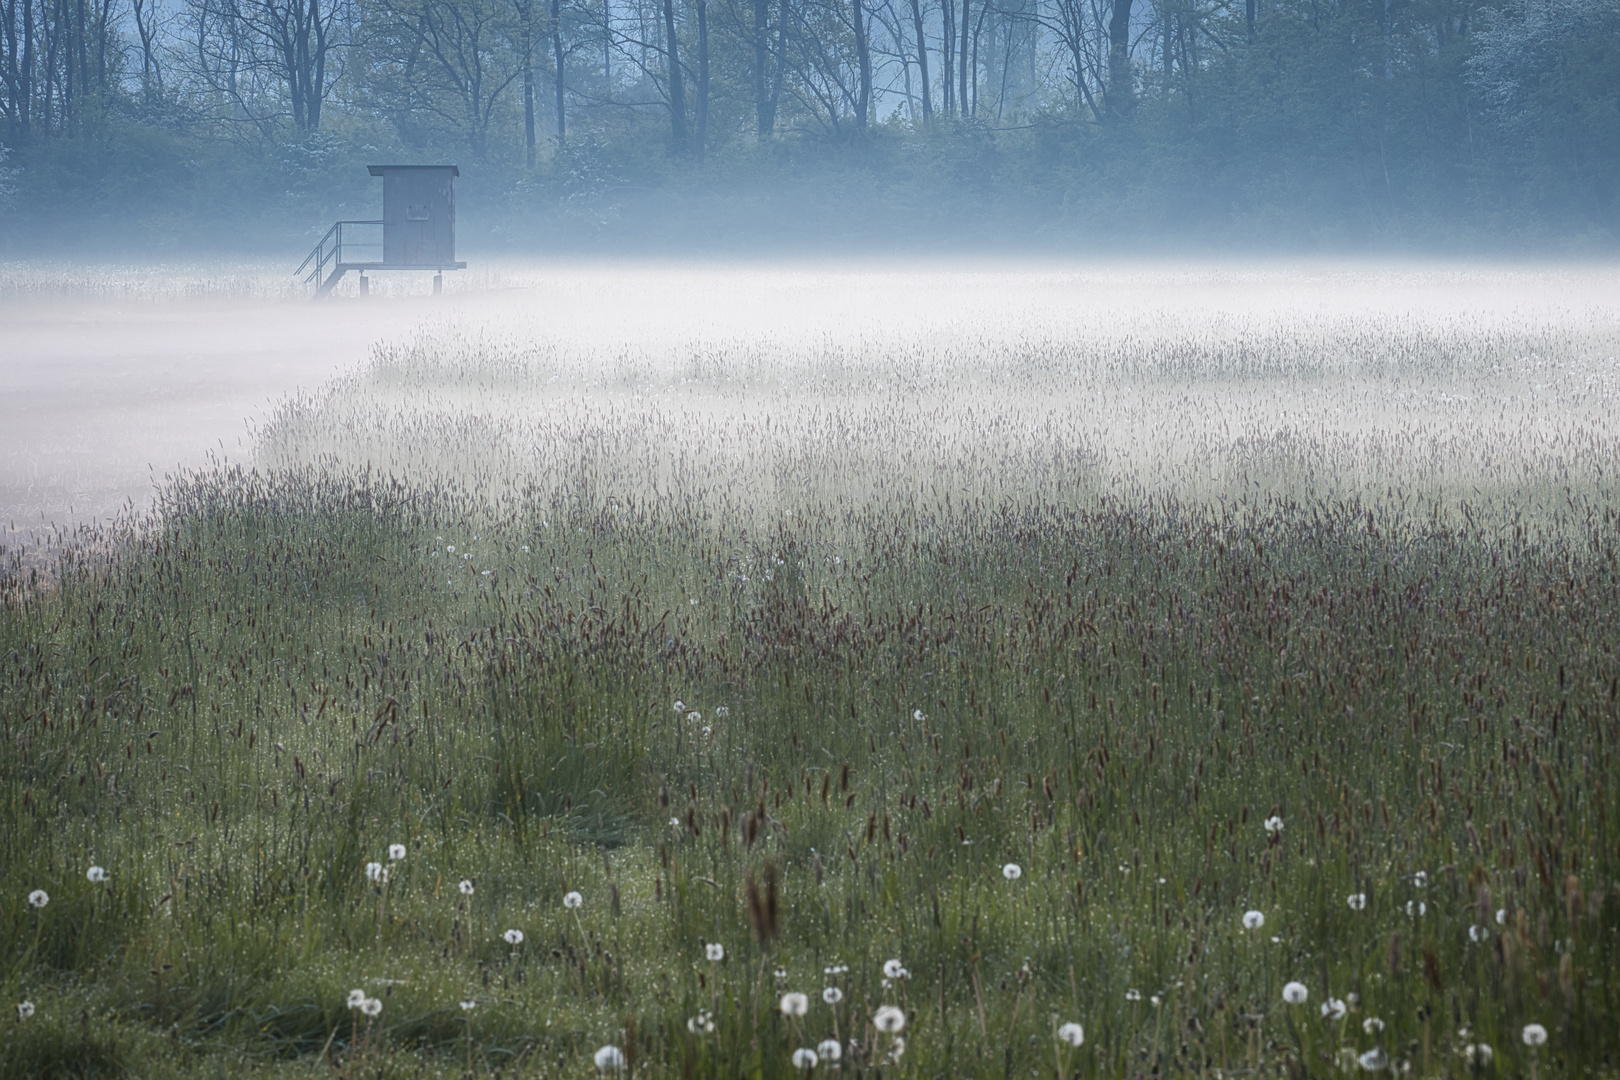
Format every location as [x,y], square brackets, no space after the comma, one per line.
[806,671]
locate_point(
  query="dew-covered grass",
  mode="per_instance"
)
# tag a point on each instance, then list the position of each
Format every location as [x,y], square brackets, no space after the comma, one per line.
[1113,672]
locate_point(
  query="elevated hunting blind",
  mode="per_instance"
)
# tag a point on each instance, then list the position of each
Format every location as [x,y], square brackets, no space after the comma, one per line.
[418,230]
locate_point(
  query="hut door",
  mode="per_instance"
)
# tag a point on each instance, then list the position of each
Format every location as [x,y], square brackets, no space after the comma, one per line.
[420,246]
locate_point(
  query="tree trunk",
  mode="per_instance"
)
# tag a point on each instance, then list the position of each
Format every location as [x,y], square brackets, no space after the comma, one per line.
[962,72]
[922,60]
[526,21]
[1120,98]
[947,55]
[863,55]
[677,87]
[701,135]
[764,121]
[557,58]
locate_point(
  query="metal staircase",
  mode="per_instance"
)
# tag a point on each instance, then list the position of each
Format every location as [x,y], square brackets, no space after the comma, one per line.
[335,255]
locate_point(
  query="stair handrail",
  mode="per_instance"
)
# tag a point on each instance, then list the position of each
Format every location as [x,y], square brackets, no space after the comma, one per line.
[321,254]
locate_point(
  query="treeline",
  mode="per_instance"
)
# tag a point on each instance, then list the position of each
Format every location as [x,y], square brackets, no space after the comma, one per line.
[1341,122]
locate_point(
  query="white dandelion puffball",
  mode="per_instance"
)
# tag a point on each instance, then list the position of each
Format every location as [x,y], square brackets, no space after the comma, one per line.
[1478,933]
[1534,1034]
[1478,1053]
[1295,993]
[889,1019]
[680,706]
[514,937]
[1334,1009]
[804,1058]
[693,717]
[1133,995]
[357,998]
[39,898]
[1012,871]
[396,852]
[1274,824]
[1501,916]
[1071,1033]
[897,1048]
[96,874]
[468,1005]
[893,969]
[1416,908]
[829,1050]
[371,1006]
[466,888]
[721,712]
[794,1004]
[701,1024]
[572,900]
[917,715]
[832,995]
[609,1059]
[1372,1025]
[1373,1060]
[1357,901]
[714,951]
[1253,920]
[374,871]
[25,1010]
[1421,879]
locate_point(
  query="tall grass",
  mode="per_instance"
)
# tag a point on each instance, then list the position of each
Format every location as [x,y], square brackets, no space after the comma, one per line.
[795,656]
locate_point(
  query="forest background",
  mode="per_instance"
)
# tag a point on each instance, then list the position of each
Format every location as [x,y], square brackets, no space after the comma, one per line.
[156,127]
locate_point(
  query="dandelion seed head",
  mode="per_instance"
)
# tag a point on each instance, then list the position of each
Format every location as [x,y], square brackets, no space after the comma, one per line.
[829,1050]
[396,852]
[794,1003]
[1133,995]
[714,951]
[1334,1009]
[466,887]
[39,898]
[680,706]
[889,1019]
[1373,1060]
[721,712]
[1534,1035]
[892,969]
[513,937]
[374,871]
[832,995]
[96,874]
[371,1006]
[25,1010]
[1478,1053]
[1295,993]
[609,1059]
[1253,920]
[1012,871]
[1357,901]
[804,1058]
[1274,824]
[1071,1033]
[1478,933]
[1372,1025]
[701,1024]
[357,998]
[572,900]
[1501,916]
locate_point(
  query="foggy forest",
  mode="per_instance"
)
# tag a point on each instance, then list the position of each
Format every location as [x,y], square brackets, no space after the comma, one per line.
[682,126]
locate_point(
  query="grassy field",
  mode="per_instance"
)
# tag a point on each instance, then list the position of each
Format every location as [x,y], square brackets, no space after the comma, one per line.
[970,680]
